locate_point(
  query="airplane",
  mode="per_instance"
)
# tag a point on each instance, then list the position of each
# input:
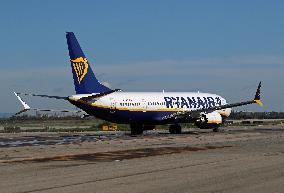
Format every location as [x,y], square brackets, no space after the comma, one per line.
[141,110]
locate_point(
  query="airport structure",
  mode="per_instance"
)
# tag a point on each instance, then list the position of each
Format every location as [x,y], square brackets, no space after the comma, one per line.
[142,110]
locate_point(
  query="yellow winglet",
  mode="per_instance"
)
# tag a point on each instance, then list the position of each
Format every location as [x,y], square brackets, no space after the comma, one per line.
[259,102]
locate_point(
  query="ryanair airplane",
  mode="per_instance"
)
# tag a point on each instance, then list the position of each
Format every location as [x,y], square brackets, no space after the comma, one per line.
[141,110]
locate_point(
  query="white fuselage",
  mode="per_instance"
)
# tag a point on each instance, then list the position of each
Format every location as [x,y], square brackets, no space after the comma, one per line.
[159,102]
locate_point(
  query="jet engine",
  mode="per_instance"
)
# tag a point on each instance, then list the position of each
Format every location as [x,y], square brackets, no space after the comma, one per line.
[209,120]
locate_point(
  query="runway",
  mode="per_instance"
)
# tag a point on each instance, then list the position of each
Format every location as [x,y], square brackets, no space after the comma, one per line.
[235,160]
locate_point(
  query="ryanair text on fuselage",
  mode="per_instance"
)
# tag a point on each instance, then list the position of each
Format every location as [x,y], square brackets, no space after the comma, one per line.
[192,102]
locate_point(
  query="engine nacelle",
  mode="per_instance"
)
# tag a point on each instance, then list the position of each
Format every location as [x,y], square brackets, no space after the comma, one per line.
[209,120]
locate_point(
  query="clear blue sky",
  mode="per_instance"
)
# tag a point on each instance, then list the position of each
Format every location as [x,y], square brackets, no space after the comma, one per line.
[223,47]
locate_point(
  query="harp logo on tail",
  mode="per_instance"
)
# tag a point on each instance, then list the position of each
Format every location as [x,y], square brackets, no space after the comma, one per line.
[80,66]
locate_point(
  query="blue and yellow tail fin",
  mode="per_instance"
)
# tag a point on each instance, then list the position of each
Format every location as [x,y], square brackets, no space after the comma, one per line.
[84,79]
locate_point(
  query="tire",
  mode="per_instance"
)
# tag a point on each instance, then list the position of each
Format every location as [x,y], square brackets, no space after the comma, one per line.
[175,129]
[216,129]
[136,129]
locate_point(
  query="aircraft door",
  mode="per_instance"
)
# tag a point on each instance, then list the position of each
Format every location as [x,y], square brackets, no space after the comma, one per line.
[112,105]
[144,105]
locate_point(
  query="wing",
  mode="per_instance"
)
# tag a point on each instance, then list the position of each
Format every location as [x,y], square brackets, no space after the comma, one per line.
[196,113]
[27,107]
[87,99]
[41,95]
[90,98]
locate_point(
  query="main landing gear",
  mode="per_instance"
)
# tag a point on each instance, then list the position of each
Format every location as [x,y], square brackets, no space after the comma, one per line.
[136,129]
[216,129]
[175,129]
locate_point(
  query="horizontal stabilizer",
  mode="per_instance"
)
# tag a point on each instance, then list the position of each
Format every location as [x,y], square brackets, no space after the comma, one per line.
[96,96]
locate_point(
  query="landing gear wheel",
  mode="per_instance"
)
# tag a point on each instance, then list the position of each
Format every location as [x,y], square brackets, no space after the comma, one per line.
[175,129]
[216,129]
[136,129]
